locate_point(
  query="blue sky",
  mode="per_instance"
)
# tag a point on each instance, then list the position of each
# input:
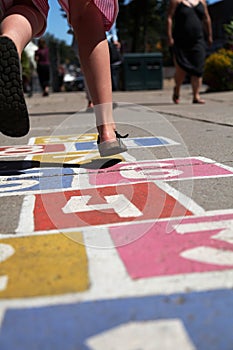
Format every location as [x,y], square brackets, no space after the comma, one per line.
[57,25]
[212,1]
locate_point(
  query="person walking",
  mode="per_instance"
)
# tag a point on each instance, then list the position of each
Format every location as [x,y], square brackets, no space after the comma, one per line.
[187,23]
[43,66]
[90,19]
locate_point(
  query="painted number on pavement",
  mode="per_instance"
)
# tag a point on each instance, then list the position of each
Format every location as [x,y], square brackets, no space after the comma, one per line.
[103,206]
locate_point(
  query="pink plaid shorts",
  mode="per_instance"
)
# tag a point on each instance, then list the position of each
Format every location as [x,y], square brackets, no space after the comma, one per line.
[108,8]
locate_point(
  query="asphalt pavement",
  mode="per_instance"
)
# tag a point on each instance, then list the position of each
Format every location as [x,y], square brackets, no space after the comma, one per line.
[127,252]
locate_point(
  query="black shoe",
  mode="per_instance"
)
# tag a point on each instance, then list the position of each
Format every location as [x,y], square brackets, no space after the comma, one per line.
[14,119]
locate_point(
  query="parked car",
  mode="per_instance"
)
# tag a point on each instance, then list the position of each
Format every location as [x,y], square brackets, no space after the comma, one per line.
[74,80]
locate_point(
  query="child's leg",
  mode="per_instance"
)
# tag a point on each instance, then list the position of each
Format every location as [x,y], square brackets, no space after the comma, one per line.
[87,22]
[21,22]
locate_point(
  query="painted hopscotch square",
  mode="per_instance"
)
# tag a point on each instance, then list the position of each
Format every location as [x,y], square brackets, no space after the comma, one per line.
[205,321]
[161,169]
[36,180]
[171,247]
[104,206]
[47,265]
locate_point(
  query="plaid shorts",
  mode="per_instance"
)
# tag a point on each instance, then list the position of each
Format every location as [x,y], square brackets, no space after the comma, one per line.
[108,8]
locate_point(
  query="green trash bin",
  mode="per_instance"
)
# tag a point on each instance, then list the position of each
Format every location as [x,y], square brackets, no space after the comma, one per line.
[143,71]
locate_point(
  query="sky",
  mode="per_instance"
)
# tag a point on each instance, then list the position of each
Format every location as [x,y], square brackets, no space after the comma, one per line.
[57,25]
[210,2]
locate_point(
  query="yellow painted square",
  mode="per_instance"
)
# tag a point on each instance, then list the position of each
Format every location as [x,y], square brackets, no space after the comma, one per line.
[44,265]
[44,140]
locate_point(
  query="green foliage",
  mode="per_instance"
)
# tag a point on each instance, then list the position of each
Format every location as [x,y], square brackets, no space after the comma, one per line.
[228,28]
[142,25]
[218,74]
[26,66]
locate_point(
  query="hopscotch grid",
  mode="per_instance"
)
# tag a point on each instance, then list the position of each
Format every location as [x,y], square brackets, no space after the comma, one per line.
[168,285]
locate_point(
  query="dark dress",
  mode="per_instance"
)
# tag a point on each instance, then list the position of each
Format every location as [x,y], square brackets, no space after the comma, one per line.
[189,41]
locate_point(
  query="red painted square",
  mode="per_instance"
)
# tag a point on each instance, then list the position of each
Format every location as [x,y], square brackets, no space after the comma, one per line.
[171,247]
[135,202]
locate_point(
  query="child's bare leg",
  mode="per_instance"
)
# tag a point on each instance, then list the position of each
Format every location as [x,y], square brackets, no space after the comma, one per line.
[88,25]
[21,24]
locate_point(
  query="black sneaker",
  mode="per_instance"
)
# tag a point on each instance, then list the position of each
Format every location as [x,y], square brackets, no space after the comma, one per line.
[14,119]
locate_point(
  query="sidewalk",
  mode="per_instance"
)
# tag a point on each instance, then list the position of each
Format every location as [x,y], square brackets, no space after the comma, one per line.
[129,252]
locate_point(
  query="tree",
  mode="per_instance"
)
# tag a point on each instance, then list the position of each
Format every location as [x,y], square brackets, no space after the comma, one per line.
[59,53]
[142,26]
[228,28]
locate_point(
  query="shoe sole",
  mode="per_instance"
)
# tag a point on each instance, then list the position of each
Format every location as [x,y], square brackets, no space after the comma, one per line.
[14,119]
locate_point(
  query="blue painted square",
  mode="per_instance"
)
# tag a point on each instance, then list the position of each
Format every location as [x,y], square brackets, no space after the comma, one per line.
[37,179]
[86,146]
[150,141]
[206,316]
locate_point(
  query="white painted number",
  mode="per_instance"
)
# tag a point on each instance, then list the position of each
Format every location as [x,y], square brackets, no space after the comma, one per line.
[158,171]
[16,184]
[119,203]
[210,255]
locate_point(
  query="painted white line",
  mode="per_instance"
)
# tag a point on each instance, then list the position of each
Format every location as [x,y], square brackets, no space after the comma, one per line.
[26,218]
[181,198]
[206,226]
[89,228]
[180,227]
[3,282]
[208,160]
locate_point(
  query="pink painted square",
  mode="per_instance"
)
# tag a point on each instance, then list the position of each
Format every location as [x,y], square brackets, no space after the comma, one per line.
[172,247]
[160,169]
